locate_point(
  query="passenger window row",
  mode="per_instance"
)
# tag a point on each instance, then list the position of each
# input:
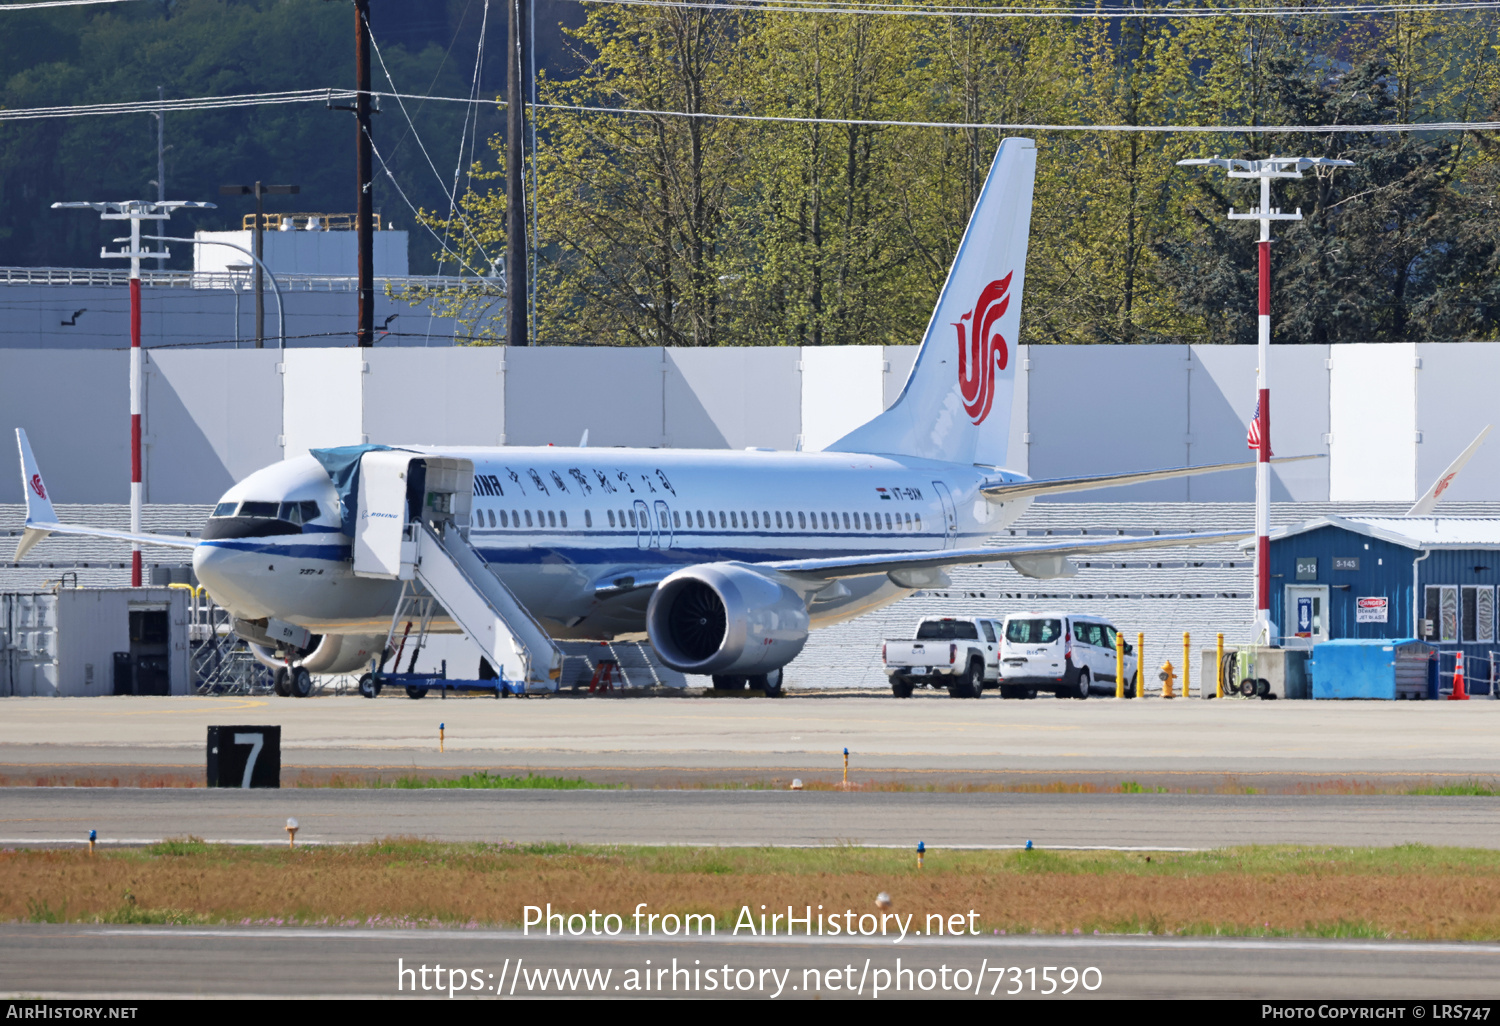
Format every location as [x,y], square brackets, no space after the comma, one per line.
[800,520]
[543,518]
[734,520]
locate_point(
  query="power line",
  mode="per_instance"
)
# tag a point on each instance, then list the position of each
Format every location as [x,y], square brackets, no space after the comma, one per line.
[924,10]
[58,3]
[416,214]
[1436,126]
[471,114]
[314,95]
[400,102]
[192,103]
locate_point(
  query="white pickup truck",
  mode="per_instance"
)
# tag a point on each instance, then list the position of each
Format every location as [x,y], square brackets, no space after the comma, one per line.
[961,654]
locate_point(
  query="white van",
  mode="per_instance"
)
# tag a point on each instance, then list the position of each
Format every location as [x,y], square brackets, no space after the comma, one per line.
[1069,654]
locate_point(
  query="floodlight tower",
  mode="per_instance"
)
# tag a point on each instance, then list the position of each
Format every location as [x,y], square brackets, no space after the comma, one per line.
[1265,170]
[134,211]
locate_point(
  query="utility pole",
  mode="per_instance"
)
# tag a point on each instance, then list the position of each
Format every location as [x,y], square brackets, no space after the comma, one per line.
[161,161]
[516,268]
[260,191]
[1264,633]
[364,174]
[134,211]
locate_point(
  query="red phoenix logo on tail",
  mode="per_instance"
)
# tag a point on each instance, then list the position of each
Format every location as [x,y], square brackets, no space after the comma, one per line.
[37,486]
[982,350]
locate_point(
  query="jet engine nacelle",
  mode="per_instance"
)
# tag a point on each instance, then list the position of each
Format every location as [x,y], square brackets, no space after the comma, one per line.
[723,618]
[334,653]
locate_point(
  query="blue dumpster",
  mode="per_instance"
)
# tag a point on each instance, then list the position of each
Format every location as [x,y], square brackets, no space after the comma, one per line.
[1373,668]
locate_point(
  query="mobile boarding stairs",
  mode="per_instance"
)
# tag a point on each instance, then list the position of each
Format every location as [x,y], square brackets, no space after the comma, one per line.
[412,525]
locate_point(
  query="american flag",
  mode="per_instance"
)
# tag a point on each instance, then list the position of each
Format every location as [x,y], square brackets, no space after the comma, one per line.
[1253,438]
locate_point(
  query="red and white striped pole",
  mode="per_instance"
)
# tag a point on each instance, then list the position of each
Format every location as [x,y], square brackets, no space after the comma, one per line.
[135,399]
[134,211]
[1262,629]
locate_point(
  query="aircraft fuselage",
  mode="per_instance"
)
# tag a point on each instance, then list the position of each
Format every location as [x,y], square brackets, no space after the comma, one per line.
[570,531]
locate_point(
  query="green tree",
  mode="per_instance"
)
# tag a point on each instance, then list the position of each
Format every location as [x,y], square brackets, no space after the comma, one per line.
[199,48]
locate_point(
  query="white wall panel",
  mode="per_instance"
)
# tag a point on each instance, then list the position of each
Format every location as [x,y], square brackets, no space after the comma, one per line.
[75,407]
[1018,450]
[1104,409]
[898,364]
[552,393]
[1372,414]
[449,396]
[212,417]
[1457,388]
[324,397]
[842,388]
[733,397]
[1219,408]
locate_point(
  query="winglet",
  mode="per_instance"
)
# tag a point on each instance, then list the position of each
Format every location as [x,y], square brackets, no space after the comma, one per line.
[1428,502]
[38,502]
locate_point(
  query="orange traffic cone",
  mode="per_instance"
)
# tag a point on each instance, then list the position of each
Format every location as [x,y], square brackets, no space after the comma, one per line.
[1459,694]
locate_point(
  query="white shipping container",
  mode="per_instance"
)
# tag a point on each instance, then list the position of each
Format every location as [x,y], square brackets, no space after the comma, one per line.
[63,642]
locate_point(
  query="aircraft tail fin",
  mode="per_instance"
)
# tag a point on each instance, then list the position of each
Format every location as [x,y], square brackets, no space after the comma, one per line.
[1428,502]
[956,405]
[38,504]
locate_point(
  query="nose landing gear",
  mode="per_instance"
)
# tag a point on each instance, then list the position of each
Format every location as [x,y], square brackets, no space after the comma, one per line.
[292,682]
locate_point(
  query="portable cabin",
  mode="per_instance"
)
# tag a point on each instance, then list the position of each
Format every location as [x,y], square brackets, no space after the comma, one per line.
[1428,578]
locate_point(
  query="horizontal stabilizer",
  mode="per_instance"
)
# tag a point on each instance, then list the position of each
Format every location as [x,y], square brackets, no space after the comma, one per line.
[1008,492]
[41,518]
[135,538]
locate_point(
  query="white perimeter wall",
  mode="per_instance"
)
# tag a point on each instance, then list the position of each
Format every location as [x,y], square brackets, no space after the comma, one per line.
[1389,417]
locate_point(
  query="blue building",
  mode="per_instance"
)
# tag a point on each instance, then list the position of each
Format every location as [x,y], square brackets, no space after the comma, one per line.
[1431,578]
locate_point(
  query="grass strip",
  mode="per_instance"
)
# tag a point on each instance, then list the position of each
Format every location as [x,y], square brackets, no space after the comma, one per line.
[1412,891]
[482,780]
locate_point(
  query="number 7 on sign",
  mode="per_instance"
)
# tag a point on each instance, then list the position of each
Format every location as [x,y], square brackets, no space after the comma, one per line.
[256,742]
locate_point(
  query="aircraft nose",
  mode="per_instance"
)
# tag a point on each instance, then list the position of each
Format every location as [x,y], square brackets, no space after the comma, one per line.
[221,571]
[208,564]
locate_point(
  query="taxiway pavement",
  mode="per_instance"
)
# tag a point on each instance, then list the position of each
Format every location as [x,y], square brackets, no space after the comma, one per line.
[151,962]
[50,816]
[649,740]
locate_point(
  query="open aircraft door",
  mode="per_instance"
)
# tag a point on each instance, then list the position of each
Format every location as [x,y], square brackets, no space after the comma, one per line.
[412,524]
[396,489]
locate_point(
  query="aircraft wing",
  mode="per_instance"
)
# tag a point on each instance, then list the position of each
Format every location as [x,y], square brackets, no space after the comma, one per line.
[41,518]
[42,530]
[1033,560]
[1027,489]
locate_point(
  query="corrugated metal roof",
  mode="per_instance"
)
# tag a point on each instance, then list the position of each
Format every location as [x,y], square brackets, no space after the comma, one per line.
[1411,532]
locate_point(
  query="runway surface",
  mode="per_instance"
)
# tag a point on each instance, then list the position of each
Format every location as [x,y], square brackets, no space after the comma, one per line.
[329,815]
[143,962]
[657,740]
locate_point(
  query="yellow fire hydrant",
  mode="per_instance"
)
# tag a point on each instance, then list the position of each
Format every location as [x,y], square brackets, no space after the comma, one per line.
[1119,665]
[1167,676]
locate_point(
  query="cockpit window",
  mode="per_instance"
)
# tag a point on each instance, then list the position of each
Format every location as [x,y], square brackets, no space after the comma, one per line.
[259,509]
[226,509]
[291,512]
[310,510]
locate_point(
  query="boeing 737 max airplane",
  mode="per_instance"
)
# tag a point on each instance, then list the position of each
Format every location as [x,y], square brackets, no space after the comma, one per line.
[723,560]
